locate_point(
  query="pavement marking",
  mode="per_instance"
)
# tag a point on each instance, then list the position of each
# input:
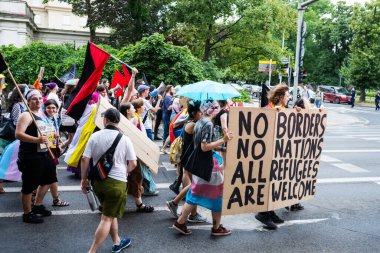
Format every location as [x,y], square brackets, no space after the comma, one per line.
[71,188]
[169,166]
[350,167]
[371,139]
[329,159]
[351,151]
[76,212]
[348,180]
[165,186]
[234,222]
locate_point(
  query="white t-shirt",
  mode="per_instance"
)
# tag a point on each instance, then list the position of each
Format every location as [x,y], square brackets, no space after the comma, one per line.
[101,141]
[148,121]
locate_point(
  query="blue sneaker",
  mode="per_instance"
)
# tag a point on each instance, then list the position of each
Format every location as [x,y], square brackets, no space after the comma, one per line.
[123,244]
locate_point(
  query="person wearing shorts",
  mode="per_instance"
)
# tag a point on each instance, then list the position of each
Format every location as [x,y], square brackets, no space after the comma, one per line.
[37,167]
[112,190]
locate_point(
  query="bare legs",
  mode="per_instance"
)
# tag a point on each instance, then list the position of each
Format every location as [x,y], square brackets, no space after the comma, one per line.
[107,225]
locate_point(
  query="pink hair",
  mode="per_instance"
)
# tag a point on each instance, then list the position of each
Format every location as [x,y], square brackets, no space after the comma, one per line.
[94,98]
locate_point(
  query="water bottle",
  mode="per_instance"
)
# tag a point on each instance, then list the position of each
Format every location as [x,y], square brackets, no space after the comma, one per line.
[92,199]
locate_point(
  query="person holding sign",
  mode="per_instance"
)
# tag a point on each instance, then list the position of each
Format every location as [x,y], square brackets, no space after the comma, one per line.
[203,160]
[278,99]
[34,162]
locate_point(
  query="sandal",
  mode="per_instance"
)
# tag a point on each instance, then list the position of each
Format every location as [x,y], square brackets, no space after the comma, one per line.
[145,209]
[60,203]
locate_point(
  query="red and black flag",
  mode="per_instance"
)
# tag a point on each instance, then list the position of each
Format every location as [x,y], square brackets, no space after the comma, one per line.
[122,80]
[3,65]
[94,63]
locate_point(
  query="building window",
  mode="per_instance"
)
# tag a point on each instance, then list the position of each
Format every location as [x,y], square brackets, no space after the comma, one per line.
[37,19]
[66,20]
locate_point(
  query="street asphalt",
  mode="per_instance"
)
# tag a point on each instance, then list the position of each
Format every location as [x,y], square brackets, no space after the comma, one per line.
[343,217]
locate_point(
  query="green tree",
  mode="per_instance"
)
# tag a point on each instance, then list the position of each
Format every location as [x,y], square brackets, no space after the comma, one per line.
[236,34]
[162,61]
[327,41]
[362,68]
[132,20]
[25,62]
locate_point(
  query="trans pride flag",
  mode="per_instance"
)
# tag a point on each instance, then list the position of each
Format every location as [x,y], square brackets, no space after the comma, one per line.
[8,162]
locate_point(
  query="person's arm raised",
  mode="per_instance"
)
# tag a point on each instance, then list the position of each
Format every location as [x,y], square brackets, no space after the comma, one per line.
[157,107]
[131,86]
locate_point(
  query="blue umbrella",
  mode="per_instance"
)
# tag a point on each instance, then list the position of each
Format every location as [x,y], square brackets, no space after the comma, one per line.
[207,89]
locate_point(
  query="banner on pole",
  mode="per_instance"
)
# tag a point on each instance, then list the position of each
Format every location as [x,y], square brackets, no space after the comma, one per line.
[273,160]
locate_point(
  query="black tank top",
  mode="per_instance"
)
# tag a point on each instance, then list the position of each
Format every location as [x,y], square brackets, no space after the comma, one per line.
[217,121]
[31,149]
[188,147]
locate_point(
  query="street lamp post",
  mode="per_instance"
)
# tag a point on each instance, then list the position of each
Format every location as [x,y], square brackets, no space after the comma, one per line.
[301,8]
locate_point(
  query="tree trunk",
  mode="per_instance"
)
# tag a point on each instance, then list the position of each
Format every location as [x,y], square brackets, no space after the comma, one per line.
[92,34]
[90,20]
[206,54]
[362,94]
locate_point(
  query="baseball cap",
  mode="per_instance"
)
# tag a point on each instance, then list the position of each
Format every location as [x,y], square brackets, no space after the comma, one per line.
[142,87]
[112,115]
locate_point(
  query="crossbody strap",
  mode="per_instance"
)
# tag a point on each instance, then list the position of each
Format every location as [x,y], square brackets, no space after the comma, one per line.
[145,117]
[111,150]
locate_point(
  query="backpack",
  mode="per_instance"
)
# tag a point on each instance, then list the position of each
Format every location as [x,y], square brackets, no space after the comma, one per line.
[102,168]
[176,149]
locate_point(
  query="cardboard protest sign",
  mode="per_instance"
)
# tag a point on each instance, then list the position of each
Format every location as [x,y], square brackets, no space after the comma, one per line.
[146,150]
[273,160]
[49,131]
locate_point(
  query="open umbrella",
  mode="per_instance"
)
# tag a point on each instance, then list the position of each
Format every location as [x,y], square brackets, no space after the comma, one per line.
[207,89]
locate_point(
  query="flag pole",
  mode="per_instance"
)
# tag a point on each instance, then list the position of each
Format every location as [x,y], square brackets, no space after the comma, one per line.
[27,107]
[120,61]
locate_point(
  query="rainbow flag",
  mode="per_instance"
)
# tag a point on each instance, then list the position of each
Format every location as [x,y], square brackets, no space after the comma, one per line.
[8,162]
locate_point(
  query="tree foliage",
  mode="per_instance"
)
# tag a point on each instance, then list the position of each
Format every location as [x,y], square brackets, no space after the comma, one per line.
[362,67]
[327,41]
[160,61]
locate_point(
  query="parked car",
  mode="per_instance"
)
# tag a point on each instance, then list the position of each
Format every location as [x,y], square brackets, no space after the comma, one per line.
[254,90]
[236,86]
[247,87]
[335,94]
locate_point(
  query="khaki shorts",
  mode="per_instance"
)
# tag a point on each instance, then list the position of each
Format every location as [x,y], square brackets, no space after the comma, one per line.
[112,195]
